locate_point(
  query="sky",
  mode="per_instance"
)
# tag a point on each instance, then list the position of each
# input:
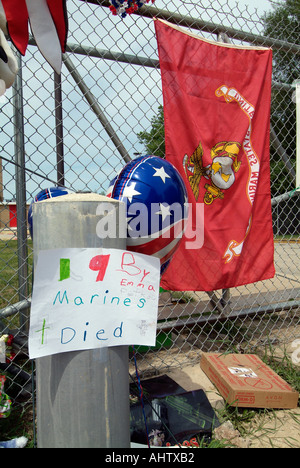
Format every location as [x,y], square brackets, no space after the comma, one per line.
[261,5]
[129,95]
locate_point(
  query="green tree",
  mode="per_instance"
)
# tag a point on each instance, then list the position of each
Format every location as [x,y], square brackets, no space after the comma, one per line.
[154,140]
[284,23]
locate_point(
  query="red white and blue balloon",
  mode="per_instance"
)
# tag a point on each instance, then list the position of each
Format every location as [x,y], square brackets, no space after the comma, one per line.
[157,208]
[45,194]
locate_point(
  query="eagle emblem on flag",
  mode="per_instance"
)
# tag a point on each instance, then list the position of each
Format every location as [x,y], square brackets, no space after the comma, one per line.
[220,173]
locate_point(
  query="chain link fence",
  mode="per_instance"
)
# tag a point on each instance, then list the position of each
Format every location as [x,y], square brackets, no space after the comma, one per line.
[79,130]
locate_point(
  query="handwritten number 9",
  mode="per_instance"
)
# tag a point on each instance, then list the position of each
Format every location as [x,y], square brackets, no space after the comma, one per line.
[99,263]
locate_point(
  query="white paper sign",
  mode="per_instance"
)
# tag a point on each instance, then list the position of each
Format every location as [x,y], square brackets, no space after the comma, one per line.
[93,298]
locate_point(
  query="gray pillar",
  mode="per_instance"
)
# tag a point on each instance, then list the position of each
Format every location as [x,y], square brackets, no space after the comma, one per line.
[82,397]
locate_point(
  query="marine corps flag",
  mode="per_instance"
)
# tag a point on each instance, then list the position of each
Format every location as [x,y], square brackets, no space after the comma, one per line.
[217,124]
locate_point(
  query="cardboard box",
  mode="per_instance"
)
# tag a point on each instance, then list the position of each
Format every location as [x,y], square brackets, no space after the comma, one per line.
[244,380]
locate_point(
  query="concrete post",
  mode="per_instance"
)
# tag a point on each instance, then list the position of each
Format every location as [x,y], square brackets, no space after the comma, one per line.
[82,397]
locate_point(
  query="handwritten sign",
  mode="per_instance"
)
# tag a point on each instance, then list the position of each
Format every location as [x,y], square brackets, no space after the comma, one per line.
[92,298]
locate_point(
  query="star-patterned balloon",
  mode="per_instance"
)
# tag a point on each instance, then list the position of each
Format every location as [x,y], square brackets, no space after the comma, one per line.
[157,206]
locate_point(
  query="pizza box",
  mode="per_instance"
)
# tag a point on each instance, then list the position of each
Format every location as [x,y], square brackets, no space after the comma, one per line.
[244,380]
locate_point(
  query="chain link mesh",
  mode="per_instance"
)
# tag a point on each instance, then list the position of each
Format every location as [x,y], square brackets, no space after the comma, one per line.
[111,97]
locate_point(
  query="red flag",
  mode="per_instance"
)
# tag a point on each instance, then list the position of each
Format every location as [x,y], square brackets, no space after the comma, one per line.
[17,23]
[217,132]
[48,20]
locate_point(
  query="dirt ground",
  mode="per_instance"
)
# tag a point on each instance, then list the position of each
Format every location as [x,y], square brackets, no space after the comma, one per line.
[278,428]
[266,428]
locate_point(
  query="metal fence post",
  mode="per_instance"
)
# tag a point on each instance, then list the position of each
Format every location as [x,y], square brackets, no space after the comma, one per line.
[59,128]
[82,397]
[20,178]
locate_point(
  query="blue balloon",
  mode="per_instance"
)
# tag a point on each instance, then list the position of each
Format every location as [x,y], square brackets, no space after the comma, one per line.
[45,194]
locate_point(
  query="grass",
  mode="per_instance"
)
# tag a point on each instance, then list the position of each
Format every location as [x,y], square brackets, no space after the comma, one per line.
[9,278]
[286,238]
[18,424]
[8,272]
[283,366]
